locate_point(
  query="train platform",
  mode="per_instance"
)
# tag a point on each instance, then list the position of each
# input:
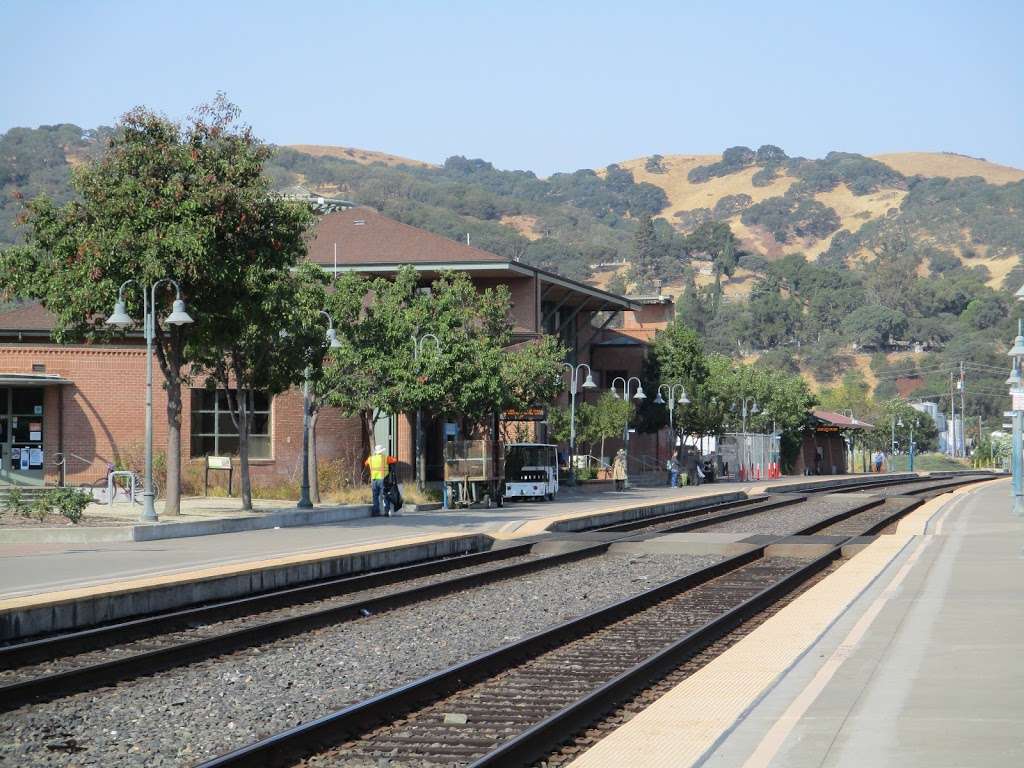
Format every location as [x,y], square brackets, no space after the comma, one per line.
[910,654]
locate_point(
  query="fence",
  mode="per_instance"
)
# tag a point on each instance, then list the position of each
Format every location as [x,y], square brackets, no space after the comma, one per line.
[749,455]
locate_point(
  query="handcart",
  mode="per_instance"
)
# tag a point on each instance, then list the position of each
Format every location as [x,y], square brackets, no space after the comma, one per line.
[473,474]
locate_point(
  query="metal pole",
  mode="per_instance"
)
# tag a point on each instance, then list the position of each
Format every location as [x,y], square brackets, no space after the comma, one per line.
[952,418]
[148,308]
[421,481]
[304,501]
[963,412]
[1018,481]
[910,452]
[573,373]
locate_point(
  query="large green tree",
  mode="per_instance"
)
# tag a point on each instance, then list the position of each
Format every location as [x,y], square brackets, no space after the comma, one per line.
[164,200]
[266,336]
[471,373]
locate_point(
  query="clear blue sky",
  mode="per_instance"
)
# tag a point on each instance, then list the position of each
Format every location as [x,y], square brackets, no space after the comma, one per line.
[545,86]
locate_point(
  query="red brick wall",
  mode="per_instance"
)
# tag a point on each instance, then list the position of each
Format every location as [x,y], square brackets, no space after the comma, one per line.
[103,415]
[523,291]
[103,411]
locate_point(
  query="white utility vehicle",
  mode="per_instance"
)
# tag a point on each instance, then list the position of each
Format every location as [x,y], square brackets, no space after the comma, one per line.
[531,471]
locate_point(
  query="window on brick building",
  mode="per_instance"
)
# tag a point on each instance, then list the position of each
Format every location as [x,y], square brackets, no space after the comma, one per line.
[214,432]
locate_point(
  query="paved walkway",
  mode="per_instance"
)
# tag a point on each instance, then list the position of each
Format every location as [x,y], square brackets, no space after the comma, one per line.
[921,666]
[35,568]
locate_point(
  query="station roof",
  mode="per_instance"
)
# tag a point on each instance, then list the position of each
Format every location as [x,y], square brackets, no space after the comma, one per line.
[363,240]
[30,317]
[833,419]
[370,242]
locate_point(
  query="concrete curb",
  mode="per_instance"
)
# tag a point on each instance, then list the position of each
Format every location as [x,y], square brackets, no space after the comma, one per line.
[29,615]
[278,518]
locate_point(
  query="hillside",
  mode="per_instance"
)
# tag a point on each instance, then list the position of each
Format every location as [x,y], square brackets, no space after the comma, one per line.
[361,156]
[728,195]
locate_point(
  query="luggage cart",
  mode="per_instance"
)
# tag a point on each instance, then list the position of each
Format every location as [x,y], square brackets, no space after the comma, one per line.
[473,474]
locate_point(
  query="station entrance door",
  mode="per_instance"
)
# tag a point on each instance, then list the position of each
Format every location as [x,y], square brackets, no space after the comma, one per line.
[21,436]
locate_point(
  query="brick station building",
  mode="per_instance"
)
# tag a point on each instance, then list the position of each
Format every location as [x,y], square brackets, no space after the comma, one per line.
[85,402]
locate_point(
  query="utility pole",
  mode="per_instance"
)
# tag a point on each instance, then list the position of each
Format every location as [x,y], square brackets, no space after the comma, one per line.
[963,412]
[952,417]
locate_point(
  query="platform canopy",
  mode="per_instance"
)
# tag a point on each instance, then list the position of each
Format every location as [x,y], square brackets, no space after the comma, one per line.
[830,421]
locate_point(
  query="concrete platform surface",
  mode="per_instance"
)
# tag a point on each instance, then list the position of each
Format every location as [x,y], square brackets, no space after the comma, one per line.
[911,654]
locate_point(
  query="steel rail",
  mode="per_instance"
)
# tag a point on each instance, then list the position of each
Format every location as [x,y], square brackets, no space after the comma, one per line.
[90,676]
[761,503]
[285,747]
[58,684]
[540,738]
[46,648]
[782,501]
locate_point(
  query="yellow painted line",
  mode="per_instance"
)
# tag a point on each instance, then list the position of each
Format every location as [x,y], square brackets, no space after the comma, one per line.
[682,726]
[213,572]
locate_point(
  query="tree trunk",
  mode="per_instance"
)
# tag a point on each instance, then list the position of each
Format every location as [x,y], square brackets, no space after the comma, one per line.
[244,399]
[169,352]
[172,497]
[314,477]
[368,430]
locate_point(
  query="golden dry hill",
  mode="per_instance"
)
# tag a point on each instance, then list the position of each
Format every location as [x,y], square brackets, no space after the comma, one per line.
[362,156]
[687,198]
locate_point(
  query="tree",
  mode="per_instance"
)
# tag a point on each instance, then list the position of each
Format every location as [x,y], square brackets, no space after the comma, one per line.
[874,325]
[472,375]
[163,201]
[266,335]
[607,418]
[645,257]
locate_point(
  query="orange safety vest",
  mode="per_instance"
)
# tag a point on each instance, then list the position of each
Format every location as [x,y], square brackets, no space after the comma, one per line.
[378,463]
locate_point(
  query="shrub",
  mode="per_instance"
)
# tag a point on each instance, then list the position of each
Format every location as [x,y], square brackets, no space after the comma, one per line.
[40,508]
[69,502]
[15,503]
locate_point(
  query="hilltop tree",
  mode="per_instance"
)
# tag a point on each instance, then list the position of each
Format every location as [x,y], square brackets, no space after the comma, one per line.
[644,272]
[165,200]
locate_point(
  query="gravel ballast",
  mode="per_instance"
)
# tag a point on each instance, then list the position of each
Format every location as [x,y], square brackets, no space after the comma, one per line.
[788,520]
[185,715]
[215,628]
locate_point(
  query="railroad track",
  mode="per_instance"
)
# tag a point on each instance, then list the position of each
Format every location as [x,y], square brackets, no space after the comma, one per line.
[58,666]
[512,705]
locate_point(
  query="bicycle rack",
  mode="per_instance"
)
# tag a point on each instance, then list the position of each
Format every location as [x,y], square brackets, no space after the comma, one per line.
[110,485]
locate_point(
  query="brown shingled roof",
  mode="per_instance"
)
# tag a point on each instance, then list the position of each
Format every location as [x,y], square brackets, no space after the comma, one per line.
[27,317]
[839,420]
[382,240]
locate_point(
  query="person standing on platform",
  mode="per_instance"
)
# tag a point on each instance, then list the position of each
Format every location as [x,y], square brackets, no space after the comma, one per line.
[379,464]
[619,474]
[878,460]
[673,472]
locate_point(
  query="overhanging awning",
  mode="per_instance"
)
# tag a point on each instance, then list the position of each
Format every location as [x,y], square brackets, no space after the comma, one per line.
[31,380]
